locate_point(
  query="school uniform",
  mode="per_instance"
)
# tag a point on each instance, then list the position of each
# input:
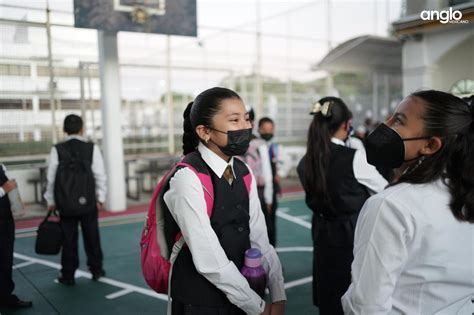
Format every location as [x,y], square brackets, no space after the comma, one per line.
[271,217]
[89,220]
[350,181]
[7,239]
[411,255]
[205,276]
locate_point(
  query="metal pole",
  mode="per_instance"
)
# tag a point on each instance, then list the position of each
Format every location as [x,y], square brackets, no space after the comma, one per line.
[329,26]
[289,85]
[52,84]
[81,85]
[375,96]
[169,97]
[258,66]
[375,16]
[91,101]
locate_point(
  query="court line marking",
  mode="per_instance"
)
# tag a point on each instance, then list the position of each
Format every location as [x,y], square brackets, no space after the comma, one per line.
[109,281]
[118,294]
[293,249]
[23,264]
[288,217]
[304,217]
[299,282]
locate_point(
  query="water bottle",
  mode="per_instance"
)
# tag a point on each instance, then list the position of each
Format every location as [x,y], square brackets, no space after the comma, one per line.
[253,271]
[15,201]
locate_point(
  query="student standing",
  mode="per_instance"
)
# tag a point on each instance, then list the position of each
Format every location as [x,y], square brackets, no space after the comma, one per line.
[337,180]
[77,153]
[266,129]
[414,242]
[205,276]
[7,239]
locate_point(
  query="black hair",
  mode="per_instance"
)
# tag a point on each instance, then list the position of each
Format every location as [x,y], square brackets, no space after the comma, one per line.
[200,112]
[316,160]
[72,124]
[265,120]
[252,115]
[450,118]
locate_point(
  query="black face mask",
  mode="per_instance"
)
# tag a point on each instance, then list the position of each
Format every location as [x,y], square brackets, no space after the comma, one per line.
[266,136]
[237,141]
[385,148]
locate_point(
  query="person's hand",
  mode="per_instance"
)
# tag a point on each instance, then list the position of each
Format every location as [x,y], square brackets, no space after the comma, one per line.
[269,208]
[100,206]
[277,308]
[51,208]
[9,186]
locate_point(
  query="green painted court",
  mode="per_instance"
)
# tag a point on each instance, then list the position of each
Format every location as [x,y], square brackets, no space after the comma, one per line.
[123,290]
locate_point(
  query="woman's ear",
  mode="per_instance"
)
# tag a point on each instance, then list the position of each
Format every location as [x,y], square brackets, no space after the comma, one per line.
[203,133]
[432,146]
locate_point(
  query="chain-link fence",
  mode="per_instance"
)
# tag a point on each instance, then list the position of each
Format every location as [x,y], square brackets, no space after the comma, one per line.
[32,80]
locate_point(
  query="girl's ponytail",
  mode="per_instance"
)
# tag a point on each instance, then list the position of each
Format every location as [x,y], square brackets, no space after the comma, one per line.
[190,139]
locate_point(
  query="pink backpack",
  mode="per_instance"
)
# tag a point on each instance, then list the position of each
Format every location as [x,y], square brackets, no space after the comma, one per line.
[156,258]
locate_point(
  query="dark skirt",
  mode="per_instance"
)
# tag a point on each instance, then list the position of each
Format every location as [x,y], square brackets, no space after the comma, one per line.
[332,259]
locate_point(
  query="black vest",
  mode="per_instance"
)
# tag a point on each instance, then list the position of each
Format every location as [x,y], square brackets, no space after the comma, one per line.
[5,208]
[83,150]
[346,193]
[230,221]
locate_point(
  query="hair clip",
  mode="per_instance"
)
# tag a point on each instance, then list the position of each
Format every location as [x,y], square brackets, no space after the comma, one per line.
[324,109]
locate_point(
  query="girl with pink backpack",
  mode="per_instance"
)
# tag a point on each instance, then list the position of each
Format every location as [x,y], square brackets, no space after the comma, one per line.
[206,213]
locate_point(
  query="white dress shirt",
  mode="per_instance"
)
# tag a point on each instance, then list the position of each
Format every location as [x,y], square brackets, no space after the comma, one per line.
[411,255]
[365,173]
[266,172]
[97,169]
[2,191]
[185,199]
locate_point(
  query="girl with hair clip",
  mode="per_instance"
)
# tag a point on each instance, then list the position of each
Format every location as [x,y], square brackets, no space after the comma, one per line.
[337,181]
[205,277]
[414,242]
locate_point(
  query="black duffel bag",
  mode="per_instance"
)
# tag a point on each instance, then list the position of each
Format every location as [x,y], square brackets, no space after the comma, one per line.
[49,238]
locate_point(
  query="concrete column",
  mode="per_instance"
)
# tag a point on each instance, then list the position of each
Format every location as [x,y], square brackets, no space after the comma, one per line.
[112,144]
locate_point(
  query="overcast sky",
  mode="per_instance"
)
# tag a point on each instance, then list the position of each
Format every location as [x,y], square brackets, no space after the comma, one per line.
[298,29]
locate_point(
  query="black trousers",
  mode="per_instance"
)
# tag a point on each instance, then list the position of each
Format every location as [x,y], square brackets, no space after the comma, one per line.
[90,234]
[178,308]
[270,218]
[7,239]
[332,259]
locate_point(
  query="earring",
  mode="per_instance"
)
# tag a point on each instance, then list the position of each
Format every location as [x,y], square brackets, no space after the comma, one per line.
[207,140]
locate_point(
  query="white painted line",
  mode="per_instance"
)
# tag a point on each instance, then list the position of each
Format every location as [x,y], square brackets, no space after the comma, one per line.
[294,249]
[23,264]
[112,282]
[283,210]
[299,282]
[304,217]
[118,294]
[294,219]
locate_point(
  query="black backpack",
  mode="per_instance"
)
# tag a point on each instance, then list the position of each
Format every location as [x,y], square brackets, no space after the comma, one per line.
[74,186]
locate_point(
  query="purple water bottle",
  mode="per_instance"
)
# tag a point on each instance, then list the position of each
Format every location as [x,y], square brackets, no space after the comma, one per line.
[254,272]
